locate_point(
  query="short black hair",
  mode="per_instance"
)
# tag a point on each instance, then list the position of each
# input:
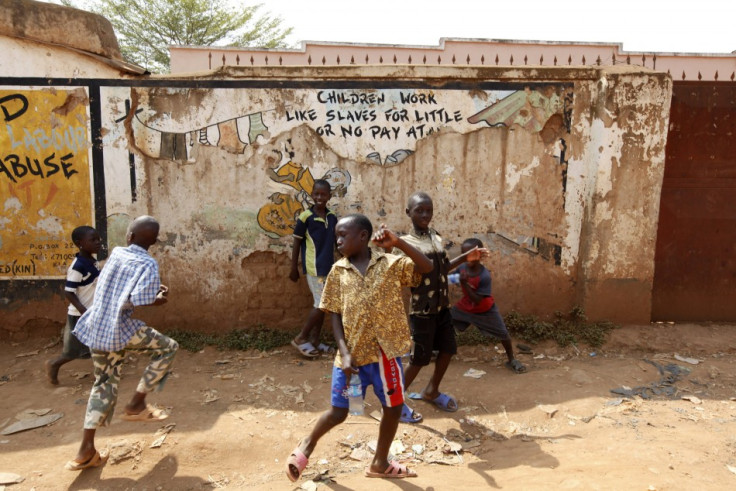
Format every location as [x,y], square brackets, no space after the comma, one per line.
[472,242]
[323,183]
[79,233]
[361,221]
[416,196]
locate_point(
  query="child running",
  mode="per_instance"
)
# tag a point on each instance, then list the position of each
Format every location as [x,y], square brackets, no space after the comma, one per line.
[130,278]
[478,307]
[79,290]
[314,237]
[363,292]
[431,323]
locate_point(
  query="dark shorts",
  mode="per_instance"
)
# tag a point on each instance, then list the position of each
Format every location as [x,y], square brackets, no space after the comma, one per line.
[73,348]
[431,333]
[489,323]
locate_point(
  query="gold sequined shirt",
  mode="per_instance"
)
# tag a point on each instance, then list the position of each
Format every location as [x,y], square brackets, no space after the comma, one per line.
[371,306]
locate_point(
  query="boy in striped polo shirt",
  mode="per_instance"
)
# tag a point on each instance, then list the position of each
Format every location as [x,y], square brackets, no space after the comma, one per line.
[79,290]
[314,240]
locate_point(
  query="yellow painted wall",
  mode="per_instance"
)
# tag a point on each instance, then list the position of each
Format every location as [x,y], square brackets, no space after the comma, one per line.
[45,189]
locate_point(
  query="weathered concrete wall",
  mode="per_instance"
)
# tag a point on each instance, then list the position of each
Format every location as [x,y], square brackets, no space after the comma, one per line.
[557,170]
[628,133]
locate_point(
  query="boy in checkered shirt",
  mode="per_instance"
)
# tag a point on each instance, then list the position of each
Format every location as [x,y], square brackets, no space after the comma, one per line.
[130,278]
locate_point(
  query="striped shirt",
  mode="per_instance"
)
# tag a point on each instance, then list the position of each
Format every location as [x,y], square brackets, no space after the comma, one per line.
[129,278]
[81,278]
[318,241]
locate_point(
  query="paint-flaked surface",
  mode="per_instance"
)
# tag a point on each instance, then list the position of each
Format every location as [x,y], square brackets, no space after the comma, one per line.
[549,174]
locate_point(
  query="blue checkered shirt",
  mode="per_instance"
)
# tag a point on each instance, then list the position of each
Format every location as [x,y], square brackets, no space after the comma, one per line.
[129,278]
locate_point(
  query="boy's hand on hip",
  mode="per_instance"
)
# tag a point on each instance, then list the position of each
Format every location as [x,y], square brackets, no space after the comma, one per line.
[294,275]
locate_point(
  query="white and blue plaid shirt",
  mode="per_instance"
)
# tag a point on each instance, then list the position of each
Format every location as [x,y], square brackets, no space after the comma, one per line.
[129,278]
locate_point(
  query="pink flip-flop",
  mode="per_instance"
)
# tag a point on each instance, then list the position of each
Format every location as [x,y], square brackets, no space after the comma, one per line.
[393,471]
[295,464]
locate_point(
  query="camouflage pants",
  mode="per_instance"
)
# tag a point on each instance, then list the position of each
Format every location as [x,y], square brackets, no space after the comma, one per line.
[107,366]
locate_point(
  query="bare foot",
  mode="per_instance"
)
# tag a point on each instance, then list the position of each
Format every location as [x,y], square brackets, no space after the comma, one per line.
[52,373]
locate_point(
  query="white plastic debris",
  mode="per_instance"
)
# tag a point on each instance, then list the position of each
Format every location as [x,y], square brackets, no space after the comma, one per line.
[473,373]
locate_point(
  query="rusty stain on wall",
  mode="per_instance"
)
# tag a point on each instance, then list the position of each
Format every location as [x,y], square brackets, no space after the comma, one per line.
[618,247]
[491,161]
[534,168]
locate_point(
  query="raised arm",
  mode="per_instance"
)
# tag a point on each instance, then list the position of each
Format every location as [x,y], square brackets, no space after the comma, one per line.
[386,239]
[472,255]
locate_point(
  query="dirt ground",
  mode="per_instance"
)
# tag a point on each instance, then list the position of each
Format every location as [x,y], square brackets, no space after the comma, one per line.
[237,416]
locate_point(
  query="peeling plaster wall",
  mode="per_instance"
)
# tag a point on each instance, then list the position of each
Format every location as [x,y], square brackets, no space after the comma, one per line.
[628,133]
[557,170]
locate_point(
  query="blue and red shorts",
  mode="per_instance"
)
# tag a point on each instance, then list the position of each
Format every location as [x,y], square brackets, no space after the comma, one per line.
[386,376]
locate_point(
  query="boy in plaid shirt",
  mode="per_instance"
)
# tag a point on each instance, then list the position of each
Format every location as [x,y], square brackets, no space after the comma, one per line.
[130,278]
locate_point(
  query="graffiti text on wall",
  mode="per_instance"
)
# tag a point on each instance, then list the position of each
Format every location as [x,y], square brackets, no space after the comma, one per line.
[374,126]
[44,180]
[386,123]
[381,127]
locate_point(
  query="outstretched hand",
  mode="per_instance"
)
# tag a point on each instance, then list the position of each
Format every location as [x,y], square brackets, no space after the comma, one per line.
[385,238]
[476,253]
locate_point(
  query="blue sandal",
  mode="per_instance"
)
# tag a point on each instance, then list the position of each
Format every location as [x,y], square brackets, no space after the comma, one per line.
[442,401]
[408,415]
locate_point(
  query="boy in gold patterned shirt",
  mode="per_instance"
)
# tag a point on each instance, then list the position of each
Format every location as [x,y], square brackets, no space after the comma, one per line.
[363,293]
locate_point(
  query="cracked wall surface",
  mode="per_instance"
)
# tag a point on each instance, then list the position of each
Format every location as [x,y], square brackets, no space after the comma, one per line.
[558,171]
